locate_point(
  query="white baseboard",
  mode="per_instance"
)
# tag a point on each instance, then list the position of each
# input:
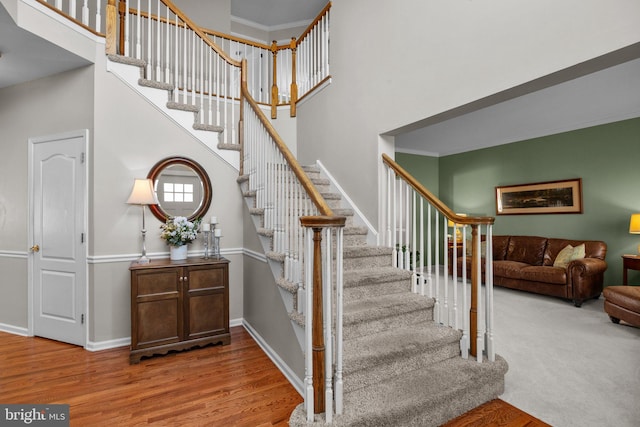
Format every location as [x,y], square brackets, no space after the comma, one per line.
[109,344]
[283,367]
[16,330]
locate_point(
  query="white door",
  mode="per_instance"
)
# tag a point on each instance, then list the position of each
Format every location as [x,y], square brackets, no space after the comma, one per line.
[58,235]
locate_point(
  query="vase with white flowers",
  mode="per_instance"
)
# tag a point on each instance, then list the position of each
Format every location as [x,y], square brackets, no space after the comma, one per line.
[178,232]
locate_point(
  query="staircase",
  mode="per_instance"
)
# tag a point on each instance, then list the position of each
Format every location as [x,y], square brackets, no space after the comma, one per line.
[401,368]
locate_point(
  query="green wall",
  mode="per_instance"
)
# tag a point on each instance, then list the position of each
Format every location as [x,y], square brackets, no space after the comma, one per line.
[424,169]
[606,157]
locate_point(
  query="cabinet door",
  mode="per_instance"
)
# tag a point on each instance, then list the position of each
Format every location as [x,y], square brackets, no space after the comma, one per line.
[206,301]
[157,311]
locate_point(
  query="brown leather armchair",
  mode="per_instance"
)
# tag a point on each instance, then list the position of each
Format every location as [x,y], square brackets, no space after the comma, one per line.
[623,303]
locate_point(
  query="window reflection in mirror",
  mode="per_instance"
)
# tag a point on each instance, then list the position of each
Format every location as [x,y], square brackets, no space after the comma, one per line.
[183,188]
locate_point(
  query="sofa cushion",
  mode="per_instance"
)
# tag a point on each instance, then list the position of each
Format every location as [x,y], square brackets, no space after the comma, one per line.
[545,274]
[500,245]
[509,269]
[527,249]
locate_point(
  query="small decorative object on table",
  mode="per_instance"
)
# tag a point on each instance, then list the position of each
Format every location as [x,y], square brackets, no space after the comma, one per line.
[216,234]
[178,233]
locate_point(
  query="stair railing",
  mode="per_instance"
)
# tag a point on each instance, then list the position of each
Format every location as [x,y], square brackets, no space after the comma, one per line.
[425,235]
[178,55]
[304,228]
[293,70]
[87,14]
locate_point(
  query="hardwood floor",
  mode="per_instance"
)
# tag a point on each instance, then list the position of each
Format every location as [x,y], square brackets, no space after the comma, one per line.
[233,385]
[496,413]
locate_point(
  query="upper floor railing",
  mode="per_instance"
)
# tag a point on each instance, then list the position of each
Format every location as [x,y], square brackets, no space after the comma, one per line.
[278,74]
[425,235]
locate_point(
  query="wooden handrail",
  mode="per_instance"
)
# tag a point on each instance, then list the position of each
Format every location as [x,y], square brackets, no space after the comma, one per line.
[111,26]
[237,39]
[306,183]
[437,203]
[313,24]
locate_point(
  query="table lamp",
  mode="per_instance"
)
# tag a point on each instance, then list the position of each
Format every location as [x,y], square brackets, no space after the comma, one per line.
[142,194]
[634,226]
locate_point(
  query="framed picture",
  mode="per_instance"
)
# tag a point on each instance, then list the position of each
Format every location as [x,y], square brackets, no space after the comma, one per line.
[553,197]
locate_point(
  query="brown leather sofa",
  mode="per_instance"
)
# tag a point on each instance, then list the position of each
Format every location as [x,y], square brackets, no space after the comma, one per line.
[526,263]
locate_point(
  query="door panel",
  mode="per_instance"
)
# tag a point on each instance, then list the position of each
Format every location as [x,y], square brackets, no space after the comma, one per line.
[58,267]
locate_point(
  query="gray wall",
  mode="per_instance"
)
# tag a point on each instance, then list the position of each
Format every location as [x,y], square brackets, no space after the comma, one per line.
[411,60]
[605,157]
[46,106]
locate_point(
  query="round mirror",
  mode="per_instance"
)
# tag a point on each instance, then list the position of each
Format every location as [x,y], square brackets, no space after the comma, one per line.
[182,187]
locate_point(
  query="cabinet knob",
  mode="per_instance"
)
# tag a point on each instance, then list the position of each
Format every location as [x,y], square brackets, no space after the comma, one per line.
[180,279]
[186,278]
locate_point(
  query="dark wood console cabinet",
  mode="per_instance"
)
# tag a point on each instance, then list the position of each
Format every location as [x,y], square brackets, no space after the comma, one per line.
[177,305]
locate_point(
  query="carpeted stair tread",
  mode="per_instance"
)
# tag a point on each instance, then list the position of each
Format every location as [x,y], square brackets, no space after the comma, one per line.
[385,306]
[426,397]
[366,251]
[387,347]
[182,107]
[127,60]
[155,84]
[210,128]
[232,147]
[373,276]
[366,283]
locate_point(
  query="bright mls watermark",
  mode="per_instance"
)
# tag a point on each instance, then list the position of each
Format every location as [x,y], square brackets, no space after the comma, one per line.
[34,415]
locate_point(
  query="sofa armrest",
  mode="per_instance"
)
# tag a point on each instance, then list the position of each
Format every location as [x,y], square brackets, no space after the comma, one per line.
[586,267]
[585,279]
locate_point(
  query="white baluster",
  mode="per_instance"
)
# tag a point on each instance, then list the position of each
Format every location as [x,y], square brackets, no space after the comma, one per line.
[436,307]
[149,63]
[85,13]
[127,26]
[413,266]
[339,319]
[429,260]
[445,259]
[99,17]
[491,355]
[454,269]
[465,341]
[328,320]
[480,332]
[308,379]
[72,8]
[167,43]
[158,43]
[138,32]
[58,5]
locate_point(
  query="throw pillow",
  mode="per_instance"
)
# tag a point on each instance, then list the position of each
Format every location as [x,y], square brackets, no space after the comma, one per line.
[564,257]
[578,252]
[568,254]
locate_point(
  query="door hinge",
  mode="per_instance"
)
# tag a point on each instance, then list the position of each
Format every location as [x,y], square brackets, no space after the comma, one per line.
[82,319]
[81,237]
[82,158]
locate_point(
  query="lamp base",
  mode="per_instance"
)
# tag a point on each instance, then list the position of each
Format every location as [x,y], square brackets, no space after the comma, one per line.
[143,260]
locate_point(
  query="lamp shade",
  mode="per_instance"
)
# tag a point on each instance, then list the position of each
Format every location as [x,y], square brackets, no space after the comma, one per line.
[142,193]
[634,224]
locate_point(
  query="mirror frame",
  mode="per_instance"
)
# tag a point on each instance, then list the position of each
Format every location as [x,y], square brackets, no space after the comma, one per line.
[157,169]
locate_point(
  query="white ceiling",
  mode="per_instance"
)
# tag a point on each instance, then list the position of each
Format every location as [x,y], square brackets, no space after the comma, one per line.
[602,97]
[277,13]
[27,57]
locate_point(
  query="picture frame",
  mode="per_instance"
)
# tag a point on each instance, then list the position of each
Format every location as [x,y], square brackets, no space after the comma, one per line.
[551,197]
